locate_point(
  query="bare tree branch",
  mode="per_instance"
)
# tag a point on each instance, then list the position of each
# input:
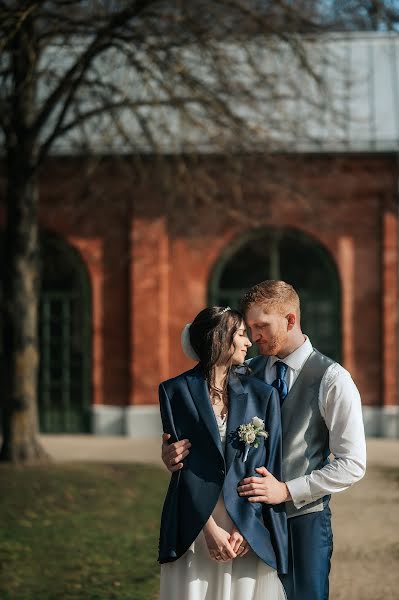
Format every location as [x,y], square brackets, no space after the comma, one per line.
[70,80]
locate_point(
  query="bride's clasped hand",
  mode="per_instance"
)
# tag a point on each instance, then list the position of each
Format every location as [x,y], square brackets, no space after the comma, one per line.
[223,545]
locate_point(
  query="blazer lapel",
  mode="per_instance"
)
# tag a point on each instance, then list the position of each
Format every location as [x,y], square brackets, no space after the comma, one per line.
[199,391]
[238,404]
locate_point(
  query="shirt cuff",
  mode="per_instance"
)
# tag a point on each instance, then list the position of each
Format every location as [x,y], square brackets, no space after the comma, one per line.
[300,491]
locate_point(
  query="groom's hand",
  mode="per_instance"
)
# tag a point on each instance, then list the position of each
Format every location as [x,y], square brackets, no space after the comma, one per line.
[265,489]
[173,454]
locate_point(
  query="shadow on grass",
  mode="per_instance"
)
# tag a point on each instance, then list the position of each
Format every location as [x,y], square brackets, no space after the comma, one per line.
[80,531]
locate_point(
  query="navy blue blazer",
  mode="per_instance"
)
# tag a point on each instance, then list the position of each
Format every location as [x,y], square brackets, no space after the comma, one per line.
[193,492]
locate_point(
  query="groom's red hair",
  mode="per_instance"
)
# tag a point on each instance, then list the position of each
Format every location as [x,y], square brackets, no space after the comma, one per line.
[274,295]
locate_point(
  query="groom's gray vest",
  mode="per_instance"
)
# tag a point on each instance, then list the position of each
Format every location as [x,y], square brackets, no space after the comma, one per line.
[305,435]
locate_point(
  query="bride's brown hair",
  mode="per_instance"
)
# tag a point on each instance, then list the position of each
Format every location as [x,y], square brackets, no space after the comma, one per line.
[211,336]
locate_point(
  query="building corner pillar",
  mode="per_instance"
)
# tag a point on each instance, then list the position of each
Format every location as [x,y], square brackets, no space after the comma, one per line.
[390,413]
[149,323]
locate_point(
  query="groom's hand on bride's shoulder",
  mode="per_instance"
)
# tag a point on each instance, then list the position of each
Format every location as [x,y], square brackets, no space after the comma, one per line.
[174,454]
[265,489]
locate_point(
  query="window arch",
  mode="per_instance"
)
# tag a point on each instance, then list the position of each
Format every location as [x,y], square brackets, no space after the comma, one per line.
[291,255]
[64,338]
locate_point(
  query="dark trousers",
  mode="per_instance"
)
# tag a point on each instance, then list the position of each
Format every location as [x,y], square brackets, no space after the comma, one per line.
[310,545]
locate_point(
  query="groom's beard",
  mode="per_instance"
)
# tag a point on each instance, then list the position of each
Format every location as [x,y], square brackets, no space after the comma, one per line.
[273,345]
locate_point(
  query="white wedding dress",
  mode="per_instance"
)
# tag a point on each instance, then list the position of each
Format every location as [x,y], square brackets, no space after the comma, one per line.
[195,576]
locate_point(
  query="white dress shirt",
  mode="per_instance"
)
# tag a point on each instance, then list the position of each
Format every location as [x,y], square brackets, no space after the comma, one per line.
[341,410]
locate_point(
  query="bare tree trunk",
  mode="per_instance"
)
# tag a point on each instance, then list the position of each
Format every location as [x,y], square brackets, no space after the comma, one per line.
[20,310]
[20,282]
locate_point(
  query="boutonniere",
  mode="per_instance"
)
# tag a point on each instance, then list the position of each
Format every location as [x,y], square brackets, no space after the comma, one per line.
[249,433]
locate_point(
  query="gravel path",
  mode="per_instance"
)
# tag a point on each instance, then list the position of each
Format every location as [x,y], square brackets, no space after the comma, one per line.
[366,532]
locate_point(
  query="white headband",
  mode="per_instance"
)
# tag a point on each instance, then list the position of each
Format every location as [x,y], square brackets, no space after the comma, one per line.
[186,344]
[185,340]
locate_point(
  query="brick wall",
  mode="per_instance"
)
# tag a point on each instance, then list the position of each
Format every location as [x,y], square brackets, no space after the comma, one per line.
[149,256]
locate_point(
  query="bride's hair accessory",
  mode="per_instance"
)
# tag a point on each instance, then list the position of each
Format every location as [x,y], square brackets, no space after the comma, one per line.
[186,344]
[185,338]
[225,309]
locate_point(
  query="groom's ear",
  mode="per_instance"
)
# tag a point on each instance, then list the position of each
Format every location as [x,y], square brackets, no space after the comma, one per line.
[291,319]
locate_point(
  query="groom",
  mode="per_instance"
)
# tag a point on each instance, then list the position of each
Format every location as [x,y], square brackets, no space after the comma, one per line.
[321,414]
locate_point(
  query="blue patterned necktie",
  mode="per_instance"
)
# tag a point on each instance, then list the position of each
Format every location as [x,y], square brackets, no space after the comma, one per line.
[279,383]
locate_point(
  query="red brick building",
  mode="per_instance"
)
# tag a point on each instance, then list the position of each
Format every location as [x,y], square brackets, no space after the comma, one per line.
[122,273]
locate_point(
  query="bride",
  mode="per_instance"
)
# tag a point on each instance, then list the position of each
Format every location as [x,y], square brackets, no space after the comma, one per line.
[214,544]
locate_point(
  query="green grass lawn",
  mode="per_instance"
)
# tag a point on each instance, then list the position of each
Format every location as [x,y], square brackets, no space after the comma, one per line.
[80,531]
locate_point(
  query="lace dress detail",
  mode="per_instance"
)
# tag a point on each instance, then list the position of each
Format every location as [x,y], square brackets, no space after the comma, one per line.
[222,426]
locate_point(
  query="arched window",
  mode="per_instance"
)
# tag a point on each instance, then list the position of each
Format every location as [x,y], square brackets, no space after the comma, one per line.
[64,334]
[290,255]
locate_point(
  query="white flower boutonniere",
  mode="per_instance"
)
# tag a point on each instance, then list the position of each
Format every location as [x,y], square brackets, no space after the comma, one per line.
[250,432]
